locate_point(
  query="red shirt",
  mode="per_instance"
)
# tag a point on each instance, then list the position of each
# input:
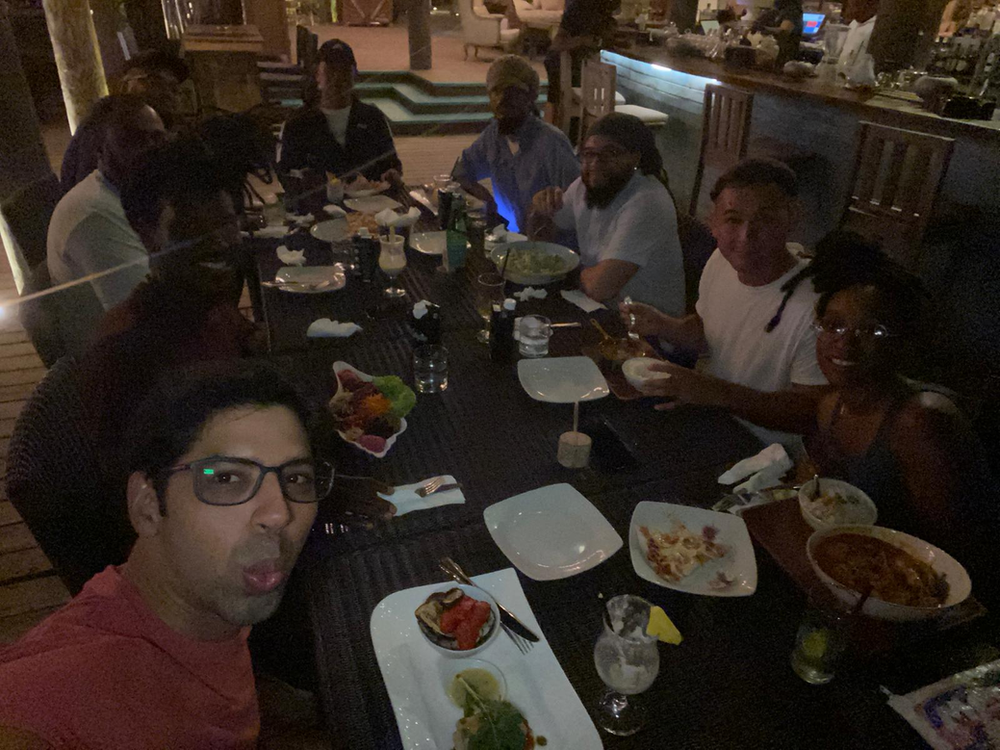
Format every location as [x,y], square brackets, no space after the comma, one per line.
[105,672]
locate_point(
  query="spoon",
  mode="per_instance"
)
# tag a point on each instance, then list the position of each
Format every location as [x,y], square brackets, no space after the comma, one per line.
[816,488]
[607,336]
[631,321]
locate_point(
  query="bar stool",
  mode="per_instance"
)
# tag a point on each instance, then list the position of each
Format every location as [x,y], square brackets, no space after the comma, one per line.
[895,185]
[724,133]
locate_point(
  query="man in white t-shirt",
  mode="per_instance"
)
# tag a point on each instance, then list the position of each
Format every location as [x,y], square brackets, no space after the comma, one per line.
[622,215]
[753,318]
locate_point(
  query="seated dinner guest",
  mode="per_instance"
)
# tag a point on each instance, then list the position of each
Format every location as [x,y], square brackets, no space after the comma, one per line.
[622,215]
[753,318]
[902,442]
[155,77]
[519,152]
[341,135]
[222,491]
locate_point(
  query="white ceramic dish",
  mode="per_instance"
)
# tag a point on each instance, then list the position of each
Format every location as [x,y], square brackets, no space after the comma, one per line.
[491,631]
[390,441]
[959,585]
[493,244]
[862,513]
[332,230]
[429,243]
[309,277]
[638,374]
[374,189]
[572,260]
[552,532]
[414,675]
[460,665]
[739,564]
[562,380]
[371,204]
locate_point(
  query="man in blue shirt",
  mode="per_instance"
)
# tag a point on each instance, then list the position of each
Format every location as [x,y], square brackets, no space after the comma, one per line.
[519,152]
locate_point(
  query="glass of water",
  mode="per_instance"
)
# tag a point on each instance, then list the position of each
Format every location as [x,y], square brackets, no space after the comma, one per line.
[820,642]
[430,368]
[627,660]
[489,291]
[533,334]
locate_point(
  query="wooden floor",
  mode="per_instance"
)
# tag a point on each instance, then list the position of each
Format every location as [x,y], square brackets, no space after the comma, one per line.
[29,589]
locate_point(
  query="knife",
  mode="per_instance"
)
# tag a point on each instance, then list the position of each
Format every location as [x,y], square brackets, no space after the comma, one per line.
[508,618]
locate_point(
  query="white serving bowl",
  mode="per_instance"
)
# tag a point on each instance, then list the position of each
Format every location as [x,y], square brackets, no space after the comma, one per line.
[492,625]
[572,260]
[863,514]
[452,667]
[959,585]
[638,374]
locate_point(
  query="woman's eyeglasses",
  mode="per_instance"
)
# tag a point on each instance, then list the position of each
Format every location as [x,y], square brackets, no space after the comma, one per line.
[871,332]
[223,480]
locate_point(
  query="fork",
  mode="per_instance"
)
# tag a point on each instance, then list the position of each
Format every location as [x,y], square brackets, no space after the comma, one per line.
[524,646]
[430,486]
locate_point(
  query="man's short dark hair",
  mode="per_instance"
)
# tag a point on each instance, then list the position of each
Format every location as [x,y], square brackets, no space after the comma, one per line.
[120,112]
[154,59]
[753,172]
[183,170]
[337,53]
[171,417]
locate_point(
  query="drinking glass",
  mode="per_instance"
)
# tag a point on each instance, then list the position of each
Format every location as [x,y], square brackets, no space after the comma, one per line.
[489,289]
[820,642]
[533,336]
[430,368]
[475,228]
[392,261]
[627,660]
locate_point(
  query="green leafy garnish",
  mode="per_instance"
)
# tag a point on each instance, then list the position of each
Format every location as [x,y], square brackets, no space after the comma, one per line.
[399,393]
[500,724]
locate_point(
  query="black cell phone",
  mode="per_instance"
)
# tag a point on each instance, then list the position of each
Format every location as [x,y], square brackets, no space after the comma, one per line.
[609,452]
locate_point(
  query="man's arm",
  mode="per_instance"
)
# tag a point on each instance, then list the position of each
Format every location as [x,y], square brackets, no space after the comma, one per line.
[387,160]
[99,244]
[687,332]
[604,281]
[19,739]
[471,167]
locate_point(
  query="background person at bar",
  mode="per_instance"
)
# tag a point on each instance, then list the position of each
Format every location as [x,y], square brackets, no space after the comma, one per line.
[784,21]
[519,152]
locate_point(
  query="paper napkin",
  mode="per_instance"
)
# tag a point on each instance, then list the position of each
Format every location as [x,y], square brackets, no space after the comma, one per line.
[766,468]
[334,211]
[581,300]
[406,499]
[529,292]
[291,257]
[271,230]
[326,328]
[302,220]
[389,218]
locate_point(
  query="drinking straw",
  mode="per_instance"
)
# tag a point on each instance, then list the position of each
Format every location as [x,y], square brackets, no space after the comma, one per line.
[503,269]
[576,415]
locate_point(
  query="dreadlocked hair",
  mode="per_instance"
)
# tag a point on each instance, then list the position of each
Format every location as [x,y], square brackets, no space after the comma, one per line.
[844,259]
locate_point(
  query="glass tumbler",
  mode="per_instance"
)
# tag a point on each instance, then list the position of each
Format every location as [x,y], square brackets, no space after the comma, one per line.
[430,368]
[489,290]
[820,642]
[533,334]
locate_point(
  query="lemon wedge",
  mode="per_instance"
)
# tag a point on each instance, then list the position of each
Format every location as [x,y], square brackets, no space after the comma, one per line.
[661,626]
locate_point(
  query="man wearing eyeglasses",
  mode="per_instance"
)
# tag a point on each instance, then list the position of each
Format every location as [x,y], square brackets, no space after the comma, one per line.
[222,491]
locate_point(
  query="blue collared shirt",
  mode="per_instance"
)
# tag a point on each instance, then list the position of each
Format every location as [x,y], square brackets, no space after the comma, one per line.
[544,159]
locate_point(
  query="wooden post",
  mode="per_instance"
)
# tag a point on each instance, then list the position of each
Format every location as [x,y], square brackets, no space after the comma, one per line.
[419,32]
[74,41]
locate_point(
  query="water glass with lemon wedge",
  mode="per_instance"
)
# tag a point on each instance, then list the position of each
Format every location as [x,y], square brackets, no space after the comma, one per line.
[819,643]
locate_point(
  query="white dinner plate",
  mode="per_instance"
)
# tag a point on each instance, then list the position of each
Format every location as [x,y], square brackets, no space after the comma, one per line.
[739,563]
[333,230]
[429,243]
[372,204]
[562,380]
[415,675]
[375,189]
[309,276]
[552,532]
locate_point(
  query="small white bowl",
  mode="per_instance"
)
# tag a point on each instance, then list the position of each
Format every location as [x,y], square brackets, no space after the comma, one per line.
[452,667]
[492,625]
[959,585]
[863,514]
[638,374]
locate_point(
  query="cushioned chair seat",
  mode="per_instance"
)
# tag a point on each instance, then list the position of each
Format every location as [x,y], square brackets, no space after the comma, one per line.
[578,95]
[651,117]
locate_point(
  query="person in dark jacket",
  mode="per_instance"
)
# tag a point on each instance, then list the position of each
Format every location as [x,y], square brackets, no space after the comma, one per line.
[340,135]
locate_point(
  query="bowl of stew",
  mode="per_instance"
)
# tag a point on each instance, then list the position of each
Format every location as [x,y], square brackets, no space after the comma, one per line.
[909,578]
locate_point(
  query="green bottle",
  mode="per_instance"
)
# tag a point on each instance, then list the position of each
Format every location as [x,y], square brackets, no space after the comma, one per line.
[456,235]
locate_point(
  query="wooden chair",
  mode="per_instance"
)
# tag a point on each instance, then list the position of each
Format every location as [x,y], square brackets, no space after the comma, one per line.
[724,132]
[896,181]
[597,95]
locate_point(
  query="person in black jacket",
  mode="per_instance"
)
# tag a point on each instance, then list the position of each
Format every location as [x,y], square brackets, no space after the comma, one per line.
[341,134]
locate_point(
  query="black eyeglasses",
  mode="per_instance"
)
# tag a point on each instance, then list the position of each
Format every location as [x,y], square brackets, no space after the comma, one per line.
[871,332]
[602,156]
[223,480]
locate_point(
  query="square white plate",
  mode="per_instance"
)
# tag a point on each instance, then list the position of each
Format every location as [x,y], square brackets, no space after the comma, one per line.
[372,204]
[552,532]
[739,562]
[415,674]
[309,276]
[562,380]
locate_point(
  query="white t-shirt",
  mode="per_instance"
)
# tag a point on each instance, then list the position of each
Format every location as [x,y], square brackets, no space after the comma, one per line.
[638,226]
[337,121]
[88,234]
[740,350]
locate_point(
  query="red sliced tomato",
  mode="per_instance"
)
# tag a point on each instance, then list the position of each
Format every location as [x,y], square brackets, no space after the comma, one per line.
[467,633]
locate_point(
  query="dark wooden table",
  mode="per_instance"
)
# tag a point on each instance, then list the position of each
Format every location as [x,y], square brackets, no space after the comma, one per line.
[728,685]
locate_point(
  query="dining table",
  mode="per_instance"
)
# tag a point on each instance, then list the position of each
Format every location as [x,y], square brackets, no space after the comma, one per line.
[728,684]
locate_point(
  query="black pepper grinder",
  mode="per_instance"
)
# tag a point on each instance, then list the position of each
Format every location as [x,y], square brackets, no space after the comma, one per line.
[502,332]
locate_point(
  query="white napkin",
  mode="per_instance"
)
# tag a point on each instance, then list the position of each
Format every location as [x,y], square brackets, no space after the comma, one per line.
[581,300]
[529,292]
[291,257]
[420,309]
[271,230]
[302,220]
[334,210]
[767,468]
[389,218]
[326,328]
[406,499]
[497,233]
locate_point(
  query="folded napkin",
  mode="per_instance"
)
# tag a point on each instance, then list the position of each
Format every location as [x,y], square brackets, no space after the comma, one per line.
[420,308]
[581,300]
[302,220]
[529,292]
[406,499]
[766,468]
[271,230]
[334,210]
[497,233]
[291,257]
[389,218]
[326,328]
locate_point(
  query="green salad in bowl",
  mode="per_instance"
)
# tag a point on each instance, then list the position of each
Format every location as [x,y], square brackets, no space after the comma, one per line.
[535,262]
